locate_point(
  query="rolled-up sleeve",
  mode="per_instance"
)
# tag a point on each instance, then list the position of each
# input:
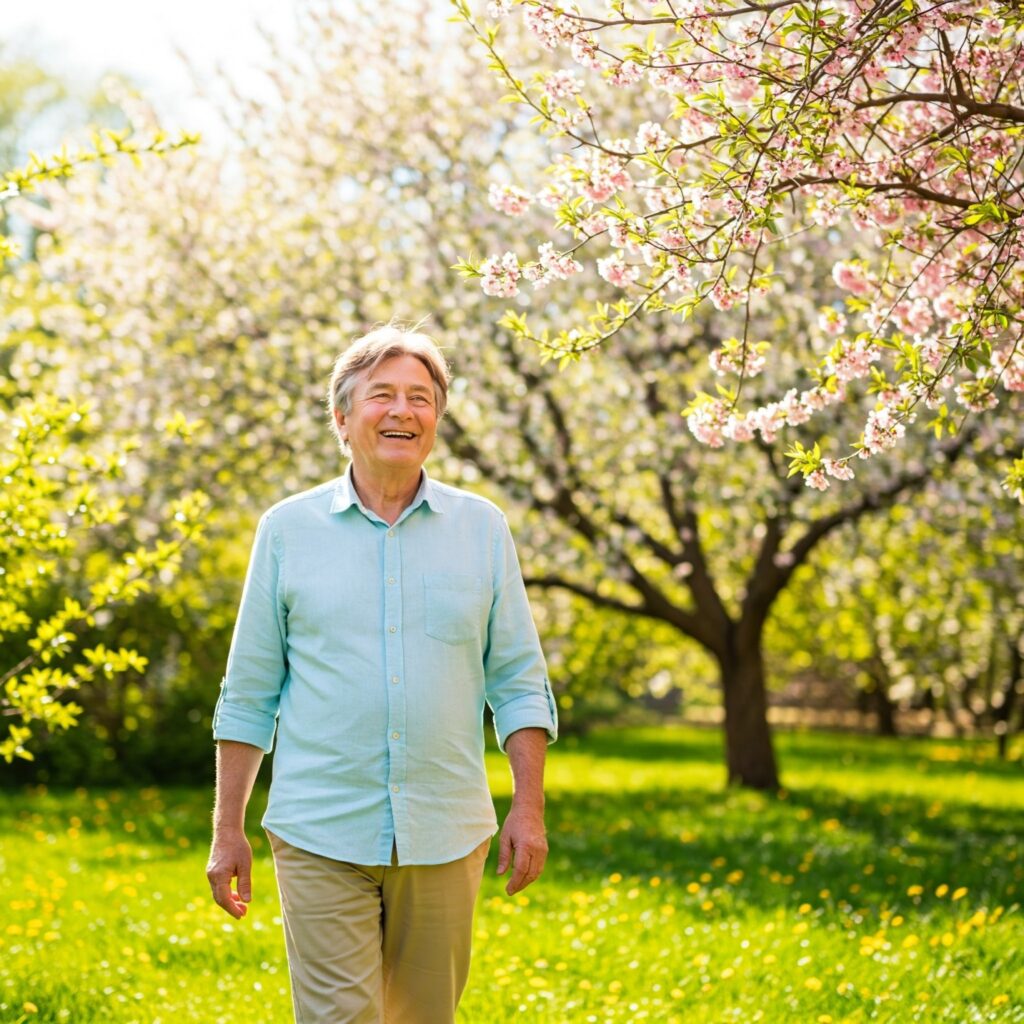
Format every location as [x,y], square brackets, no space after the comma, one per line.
[257,664]
[515,675]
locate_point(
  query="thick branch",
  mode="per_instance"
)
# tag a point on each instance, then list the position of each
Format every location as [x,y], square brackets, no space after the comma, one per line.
[1003,111]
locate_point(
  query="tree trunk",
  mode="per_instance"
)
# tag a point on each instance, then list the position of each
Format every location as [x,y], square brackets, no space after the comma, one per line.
[749,754]
[1004,712]
[878,695]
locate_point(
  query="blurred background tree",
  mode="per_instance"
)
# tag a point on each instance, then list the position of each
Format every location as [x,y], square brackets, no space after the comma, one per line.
[199,302]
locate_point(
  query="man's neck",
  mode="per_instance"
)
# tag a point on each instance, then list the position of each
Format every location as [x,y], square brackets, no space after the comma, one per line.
[389,497]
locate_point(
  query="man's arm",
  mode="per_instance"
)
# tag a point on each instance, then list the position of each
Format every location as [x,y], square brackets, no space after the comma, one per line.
[523,843]
[230,852]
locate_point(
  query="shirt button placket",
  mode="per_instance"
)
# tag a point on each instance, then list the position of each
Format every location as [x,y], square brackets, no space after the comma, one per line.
[395,671]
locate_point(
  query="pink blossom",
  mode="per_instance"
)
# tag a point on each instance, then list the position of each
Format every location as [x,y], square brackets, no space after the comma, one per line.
[817,480]
[739,87]
[832,322]
[826,212]
[739,428]
[707,422]
[850,276]
[550,27]
[499,8]
[552,195]
[562,84]
[584,51]
[768,420]
[615,271]
[723,297]
[625,73]
[854,362]
[882,431]
[792,409]
[682,275]
[599,188]
[592,225]
[1009,363]
[501,275]
[946,306]
[735,357]
[551,266]
[839,468]
[651,135]
[914,318]
[979,394]
[508,199]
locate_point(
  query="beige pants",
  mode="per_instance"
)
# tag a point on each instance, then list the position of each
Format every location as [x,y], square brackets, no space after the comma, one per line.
[368,945]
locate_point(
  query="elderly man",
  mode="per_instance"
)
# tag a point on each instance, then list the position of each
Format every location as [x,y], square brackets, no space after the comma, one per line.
[380,611]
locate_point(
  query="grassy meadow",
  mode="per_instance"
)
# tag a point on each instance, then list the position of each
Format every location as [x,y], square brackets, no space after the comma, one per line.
[884,884]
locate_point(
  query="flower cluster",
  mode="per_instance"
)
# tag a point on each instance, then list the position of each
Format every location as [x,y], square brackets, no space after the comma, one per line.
[501,275]
[508,199]
[876,151]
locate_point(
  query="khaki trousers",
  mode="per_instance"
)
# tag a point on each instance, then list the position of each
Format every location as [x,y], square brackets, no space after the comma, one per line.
[376,945]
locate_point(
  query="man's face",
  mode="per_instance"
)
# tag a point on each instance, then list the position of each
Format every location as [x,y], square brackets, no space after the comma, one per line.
[393,420]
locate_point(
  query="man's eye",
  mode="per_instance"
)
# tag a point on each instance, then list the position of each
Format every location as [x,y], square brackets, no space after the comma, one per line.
[420,400]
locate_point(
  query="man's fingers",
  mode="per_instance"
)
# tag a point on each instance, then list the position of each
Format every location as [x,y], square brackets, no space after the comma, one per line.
[504,853]
[245,884]
[520,873]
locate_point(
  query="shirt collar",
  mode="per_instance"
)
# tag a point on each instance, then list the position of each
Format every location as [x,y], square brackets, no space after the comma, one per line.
[345,495]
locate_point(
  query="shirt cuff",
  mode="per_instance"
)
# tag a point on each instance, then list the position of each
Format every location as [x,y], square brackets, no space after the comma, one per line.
[243,725]
[530,711]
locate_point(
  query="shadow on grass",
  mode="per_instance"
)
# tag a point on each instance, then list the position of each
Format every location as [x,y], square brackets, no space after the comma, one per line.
[789,851]
[734,847]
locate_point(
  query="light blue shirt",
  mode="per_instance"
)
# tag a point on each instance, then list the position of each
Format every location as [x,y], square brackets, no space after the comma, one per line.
[371,650]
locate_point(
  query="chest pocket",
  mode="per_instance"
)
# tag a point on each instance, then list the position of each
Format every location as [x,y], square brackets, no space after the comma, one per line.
[452,603]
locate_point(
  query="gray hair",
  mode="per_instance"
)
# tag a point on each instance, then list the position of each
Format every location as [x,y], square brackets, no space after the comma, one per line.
[365,354]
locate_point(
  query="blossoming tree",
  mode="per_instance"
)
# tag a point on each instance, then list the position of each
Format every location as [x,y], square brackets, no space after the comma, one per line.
[751,126]
[56,469]
[216,290]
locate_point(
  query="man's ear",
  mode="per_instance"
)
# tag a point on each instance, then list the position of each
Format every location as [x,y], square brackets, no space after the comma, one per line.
[339,418]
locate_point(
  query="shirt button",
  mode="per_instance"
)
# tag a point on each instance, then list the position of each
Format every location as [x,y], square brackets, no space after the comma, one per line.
[391,533]
[394,679]
[394,789]
[391,579]
[394,735]
[392,629]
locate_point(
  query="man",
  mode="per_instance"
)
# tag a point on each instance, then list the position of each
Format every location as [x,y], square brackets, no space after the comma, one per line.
[380,611]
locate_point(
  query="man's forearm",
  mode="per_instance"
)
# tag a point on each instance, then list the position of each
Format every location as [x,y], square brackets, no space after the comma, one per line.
[237,767]
[526,749]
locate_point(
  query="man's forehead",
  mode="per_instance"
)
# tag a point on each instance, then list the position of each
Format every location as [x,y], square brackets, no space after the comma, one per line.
[375,381]
[387,374]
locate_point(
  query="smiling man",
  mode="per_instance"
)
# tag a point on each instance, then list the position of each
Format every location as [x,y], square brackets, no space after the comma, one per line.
[380,612]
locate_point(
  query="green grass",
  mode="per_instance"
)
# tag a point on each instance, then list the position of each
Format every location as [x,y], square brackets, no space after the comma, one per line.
[883,885]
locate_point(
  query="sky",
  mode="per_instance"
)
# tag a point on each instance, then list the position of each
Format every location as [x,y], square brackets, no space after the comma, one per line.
[83,39]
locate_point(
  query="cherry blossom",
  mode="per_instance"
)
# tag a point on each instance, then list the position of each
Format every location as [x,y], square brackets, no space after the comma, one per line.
[902,136]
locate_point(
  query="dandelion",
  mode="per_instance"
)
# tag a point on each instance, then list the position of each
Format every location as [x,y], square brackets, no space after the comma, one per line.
[942,890]
[959,894]
[915,890]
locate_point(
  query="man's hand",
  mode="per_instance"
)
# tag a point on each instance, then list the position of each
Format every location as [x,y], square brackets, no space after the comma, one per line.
[230,857]
[523,845]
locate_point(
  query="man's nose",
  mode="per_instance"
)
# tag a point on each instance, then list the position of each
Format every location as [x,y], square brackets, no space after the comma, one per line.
[400,406]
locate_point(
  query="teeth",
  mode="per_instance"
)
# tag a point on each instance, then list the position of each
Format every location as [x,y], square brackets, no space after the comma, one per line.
[396,433]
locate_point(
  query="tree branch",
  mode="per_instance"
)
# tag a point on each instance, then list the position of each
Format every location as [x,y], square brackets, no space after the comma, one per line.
[1004,111]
